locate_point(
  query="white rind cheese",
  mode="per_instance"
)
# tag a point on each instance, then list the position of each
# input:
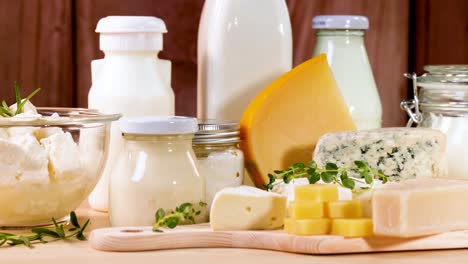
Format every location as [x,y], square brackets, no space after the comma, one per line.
[247,208]
[399,152]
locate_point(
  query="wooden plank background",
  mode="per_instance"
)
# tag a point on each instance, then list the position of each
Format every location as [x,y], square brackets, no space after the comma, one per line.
[50,43]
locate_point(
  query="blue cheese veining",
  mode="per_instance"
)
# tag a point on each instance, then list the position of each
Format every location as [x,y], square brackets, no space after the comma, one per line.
[398,152]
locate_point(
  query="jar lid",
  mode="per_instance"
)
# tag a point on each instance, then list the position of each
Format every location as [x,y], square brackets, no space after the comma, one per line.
[131,33]
[340,22]
[159,125]
[444,74]
[131,24]
[212,131]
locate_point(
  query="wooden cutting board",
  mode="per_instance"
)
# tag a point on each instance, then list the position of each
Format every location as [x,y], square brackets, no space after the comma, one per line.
[201,236]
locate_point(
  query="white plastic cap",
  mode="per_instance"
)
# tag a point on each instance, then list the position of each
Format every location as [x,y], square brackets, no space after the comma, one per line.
[159,125]
[340,22]
[132,33]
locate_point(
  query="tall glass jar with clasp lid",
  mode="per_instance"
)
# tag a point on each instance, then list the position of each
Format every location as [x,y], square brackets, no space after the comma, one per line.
[216,146]
[441,102]
[156,168]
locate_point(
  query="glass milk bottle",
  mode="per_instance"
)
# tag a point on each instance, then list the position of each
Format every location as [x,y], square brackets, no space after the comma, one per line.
[342,39]
[243,45]
[156,168]
[130,80]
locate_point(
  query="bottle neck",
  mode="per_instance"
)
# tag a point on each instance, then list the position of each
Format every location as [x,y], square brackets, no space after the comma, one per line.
[135,54]
[345,33]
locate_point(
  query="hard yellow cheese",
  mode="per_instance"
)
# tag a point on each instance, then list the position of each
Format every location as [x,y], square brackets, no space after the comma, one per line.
[307,227]
[306,210]
[357,227]
[316,193]
[283,123]
[343,209]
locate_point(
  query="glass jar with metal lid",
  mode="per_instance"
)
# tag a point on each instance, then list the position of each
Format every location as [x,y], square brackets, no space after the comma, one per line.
[221,162]
[441,102]
[156,168]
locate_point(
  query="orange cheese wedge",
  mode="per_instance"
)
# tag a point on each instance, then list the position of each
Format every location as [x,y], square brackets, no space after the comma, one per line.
[283,123]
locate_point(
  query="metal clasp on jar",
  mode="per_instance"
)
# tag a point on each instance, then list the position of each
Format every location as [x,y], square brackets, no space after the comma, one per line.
[412,104]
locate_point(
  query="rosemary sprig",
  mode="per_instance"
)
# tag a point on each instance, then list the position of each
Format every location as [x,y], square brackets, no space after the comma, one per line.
[346,177]
[40,234]
[5,110]
[184,212]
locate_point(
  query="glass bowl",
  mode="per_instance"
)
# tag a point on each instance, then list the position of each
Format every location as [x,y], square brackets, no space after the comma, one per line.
[50,164]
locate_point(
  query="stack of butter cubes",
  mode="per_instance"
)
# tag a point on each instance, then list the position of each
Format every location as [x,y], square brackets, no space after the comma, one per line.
[317,211]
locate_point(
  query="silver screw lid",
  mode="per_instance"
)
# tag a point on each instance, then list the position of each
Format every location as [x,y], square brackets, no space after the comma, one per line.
[211,131]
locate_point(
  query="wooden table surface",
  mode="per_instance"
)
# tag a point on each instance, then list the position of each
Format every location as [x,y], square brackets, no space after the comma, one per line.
[79,252]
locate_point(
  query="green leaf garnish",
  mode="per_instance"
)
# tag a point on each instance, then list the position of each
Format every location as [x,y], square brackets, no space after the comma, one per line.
[361,172]
[5,110]
[40,234]
[185,212]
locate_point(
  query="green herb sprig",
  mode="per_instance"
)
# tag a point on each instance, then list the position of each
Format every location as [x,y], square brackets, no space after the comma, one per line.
[184,212]
[40,234]
[5,110]
[346,177]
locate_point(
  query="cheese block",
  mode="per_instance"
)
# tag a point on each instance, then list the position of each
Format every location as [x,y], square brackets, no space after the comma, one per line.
[316,193]
[420,207]
[398,152]
[307,227]
[287,189]
[358,227]
[306,210]
[247,208]
[343,209]
[283,123]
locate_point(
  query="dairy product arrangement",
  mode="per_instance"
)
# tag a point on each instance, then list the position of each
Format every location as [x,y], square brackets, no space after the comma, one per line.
[317,171]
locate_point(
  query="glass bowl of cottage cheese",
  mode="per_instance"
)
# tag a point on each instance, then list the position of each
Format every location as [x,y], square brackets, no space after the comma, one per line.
[50,160]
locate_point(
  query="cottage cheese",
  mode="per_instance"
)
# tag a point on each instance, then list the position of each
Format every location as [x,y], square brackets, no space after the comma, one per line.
[41,173]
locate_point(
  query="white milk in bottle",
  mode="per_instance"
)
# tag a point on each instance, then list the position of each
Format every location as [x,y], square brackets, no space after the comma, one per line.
[342,39]
[130,80]
[243,45]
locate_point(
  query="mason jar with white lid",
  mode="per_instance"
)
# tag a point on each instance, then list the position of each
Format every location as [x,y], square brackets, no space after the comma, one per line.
[341,38]
[156,168]
[441,102]
[220,159]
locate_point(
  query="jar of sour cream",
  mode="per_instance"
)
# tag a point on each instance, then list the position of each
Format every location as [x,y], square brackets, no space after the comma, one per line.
[221,162]
[156,168]
[441,102]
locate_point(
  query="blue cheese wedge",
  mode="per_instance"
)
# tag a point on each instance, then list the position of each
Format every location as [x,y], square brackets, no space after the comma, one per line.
[399,152]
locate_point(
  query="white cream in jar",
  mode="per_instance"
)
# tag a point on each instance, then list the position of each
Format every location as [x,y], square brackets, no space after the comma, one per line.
[441,102]
[156,168]
[221,161]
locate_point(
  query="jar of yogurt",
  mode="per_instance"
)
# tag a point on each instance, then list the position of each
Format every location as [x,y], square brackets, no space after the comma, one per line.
[441,102]
[156,168]
[221,162]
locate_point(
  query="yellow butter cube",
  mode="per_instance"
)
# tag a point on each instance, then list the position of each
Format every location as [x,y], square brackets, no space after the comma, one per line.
[306,210]
[357,227]
[316,193]
[343,209]
[307,227]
